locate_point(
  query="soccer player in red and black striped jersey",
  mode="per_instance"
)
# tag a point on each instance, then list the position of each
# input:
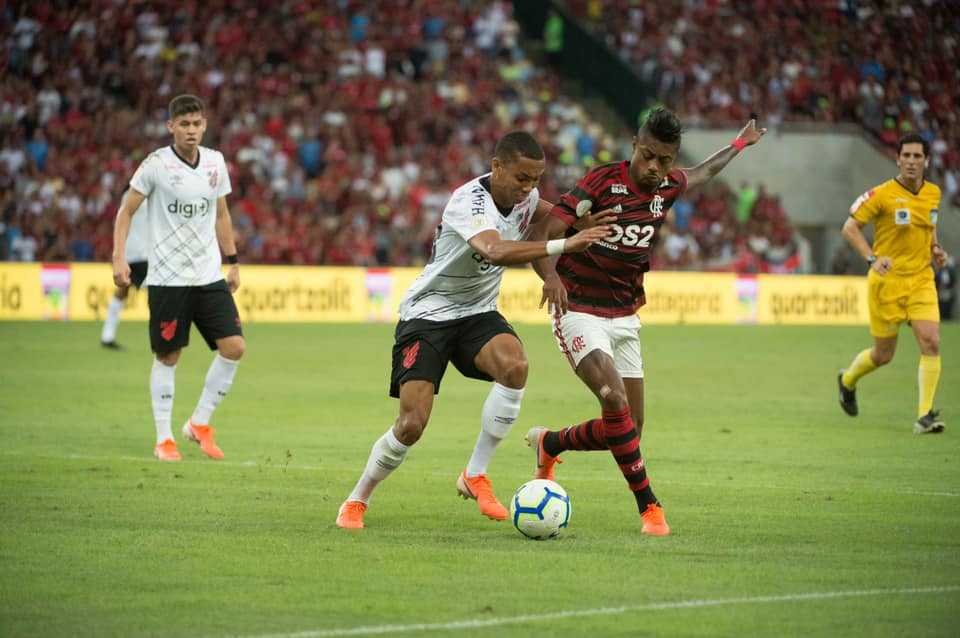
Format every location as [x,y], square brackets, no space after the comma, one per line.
[594,295]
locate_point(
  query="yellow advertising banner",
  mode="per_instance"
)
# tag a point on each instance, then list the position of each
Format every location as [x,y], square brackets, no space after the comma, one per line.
[692,297]
[91,288]
[672,297]
[21,295]
[812,299]
[520,295]
[326,294]
[286,293]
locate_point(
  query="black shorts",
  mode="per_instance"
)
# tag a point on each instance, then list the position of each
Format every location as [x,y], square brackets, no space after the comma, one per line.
[174,308]
[422,349]
[138,272]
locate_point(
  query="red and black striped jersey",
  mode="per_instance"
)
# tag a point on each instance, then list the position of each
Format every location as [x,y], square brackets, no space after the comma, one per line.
[607,279]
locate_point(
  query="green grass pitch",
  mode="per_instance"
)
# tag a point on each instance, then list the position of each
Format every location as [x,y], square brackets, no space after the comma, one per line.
[789,518]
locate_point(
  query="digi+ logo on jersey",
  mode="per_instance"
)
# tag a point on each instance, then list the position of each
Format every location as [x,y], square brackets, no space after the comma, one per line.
[189,210]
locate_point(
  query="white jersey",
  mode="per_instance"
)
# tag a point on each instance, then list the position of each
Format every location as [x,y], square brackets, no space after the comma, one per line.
[458,282]
[137,248]
[182,209]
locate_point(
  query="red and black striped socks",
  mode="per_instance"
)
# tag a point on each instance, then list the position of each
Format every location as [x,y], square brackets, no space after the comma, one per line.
[623,441]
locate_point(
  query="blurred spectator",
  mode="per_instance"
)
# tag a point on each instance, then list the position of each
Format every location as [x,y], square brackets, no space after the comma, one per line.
[680,250]
[840,264]
[23,243]
[344,127]
[553,38]
[746,198]
[889,66]
[946,288]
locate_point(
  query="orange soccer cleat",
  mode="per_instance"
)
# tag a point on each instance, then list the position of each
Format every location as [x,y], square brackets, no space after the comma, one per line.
[350,515]
[166,450]
[479,489]
[545,462]
[654,521]
[203,434]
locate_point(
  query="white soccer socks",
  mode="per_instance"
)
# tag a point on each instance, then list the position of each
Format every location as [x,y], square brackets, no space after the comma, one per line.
[109,332]
[215,388]
[500,410]
[386,455]
[161,394]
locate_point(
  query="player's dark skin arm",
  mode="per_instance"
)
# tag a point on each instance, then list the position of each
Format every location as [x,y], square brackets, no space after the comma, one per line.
[546,268]
[702,172]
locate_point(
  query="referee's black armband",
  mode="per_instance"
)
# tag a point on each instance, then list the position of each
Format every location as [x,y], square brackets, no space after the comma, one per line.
[233,259]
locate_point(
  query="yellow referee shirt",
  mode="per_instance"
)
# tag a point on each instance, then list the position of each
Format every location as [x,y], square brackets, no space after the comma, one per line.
[903,223]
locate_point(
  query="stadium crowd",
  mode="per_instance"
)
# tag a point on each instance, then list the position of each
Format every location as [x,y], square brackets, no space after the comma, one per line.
[346,127]
[893,68]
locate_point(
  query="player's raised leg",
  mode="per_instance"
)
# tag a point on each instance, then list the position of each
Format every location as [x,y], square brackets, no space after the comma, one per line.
[863,364]
[549,444]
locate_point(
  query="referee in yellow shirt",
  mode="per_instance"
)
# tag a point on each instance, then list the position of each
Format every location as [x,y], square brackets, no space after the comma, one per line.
[900,283]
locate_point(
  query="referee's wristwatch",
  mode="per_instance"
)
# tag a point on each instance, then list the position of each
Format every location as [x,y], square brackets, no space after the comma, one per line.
[871,259]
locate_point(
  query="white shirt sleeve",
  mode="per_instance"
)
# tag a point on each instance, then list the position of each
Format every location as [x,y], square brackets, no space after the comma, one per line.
[223,181]
[145,176]
[470,211]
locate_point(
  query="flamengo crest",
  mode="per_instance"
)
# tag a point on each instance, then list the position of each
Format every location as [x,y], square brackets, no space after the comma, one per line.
[656,206]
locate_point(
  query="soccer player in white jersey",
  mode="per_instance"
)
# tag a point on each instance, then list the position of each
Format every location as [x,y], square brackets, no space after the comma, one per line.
[185,187]
[136,253]
[450,314]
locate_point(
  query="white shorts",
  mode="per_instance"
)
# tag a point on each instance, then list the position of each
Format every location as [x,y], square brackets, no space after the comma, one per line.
[578,334]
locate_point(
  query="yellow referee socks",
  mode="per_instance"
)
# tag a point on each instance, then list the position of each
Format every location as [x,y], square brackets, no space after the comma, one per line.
[928,377]
[862,364]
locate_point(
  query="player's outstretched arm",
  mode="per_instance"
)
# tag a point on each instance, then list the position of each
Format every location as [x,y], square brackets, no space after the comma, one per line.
[507,252]
[121,229]
[702,172]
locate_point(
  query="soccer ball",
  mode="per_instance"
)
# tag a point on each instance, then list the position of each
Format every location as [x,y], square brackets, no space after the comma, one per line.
[539,509]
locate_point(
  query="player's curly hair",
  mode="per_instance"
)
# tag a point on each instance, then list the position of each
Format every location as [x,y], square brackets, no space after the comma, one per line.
[663,125]
[183,104]
[517,144]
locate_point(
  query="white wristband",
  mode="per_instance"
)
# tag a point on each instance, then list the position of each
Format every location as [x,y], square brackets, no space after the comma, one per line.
[555,246]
